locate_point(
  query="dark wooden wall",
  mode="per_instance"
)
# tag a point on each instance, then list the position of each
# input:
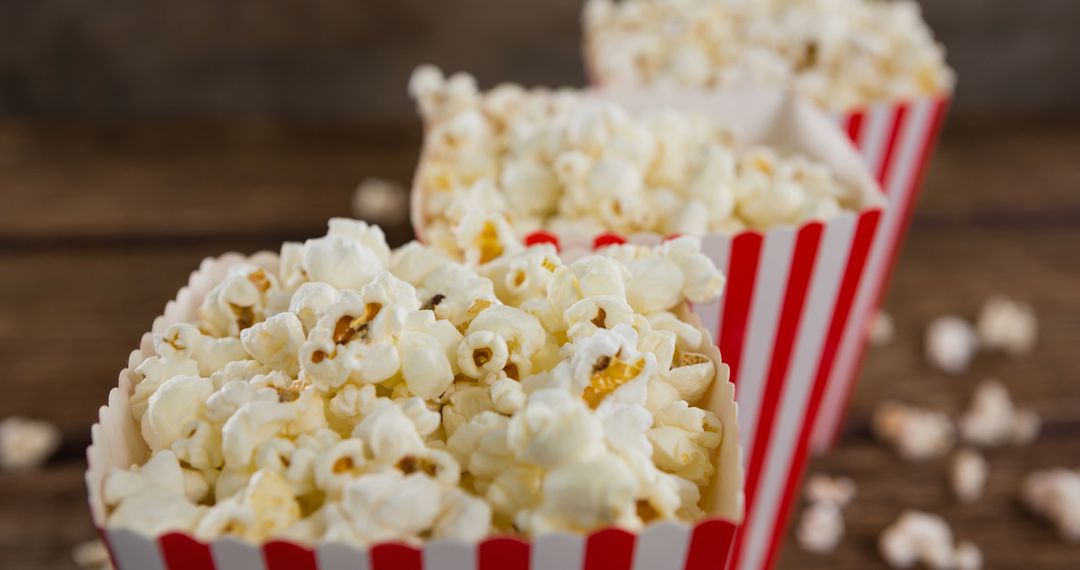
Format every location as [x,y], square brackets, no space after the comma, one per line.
[349,59]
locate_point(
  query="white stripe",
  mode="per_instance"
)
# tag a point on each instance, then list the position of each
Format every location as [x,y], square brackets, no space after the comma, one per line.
[134,551]
[718,249]
[662,546]
[449,555]
[332,556]
[769,287]
[874,138]
[913,131]
[824,287]
[236,555]
[558,551]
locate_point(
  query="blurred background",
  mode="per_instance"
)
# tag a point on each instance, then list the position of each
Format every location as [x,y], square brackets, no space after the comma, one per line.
[138,137]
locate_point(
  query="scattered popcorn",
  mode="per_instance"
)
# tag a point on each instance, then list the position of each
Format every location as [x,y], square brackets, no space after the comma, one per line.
[26,443]
[837,491]
[1007,326]
[1054,494]
[91,555]
[950,344]
[844,54]
[381,201]
[355,394]
[882,329]
[992,419]
[821,527]
[500,165]
[918,537]
[914,433]
[968,475]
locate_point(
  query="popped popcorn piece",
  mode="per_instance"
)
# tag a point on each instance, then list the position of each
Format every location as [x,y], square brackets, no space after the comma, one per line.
[842,54]
[993,419]
[238,302]
[950,344]
[1054,494]
[968,475]
[26,443]
[821,527]
[837,491]
[151,499]
[381,201]
[922,537]
[914,433]
[91,555]
[184,341]
[176,405]
[1007,326]
[585,495]
[263,509]
[882,329]
[349,256]
[684,441]
[275,342]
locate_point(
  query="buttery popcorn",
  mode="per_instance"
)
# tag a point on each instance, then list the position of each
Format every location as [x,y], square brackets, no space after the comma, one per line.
[499,165]
[349,393]
[914,433]
[918,537]
[843,54]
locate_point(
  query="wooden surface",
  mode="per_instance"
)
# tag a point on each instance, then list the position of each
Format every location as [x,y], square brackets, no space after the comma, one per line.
[100,225]
[350,59]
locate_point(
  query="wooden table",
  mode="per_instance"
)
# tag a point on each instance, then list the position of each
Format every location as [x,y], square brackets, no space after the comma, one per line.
[99,225]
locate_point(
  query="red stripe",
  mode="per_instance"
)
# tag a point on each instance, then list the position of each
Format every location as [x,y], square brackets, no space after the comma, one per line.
[802,265]
[181,552]
[854,126]
[742,272]
[281,555]
[609,549]
[394,556]
[890,150]
[803,258]
[864,237]
[104,536]
[540,236]
[503,554]
[710,545]
[908,208]
[605,240]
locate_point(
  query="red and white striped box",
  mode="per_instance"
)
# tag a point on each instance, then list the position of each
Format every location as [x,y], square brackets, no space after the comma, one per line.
[788,302]
[897,141]
[117,443]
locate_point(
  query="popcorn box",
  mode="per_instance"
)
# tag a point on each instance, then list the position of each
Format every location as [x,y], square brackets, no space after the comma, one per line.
[897,141]
[117,443]
[789,300]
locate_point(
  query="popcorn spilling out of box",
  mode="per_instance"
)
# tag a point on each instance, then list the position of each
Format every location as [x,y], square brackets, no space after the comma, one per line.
[844,54]
[821,525]
[351,393]
[26,443]
[917,537]
[499,165]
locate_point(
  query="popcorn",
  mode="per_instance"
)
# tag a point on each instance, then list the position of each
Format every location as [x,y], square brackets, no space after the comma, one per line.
[275,342]
[968,475]
[356,406]
[843,54]
[381,201]
[1007,326]
[914,433]
[922,537]
[882,329]
[821,527]
[950,344]
[26,443]
[992,419]
[91,555]
[578,165]
[837,491]
[1054,494]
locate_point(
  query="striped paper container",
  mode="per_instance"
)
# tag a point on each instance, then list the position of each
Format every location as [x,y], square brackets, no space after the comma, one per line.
[117,443]
[896,141]
[788,302]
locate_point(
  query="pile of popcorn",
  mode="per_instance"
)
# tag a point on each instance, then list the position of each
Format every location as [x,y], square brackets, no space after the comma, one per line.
[352,393]
[843,54]
[513,161]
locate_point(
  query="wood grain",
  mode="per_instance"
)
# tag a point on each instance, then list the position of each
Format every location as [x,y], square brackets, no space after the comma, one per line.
[99,226]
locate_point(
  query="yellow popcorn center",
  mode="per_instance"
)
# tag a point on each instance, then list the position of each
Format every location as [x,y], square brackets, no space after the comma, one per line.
[761,164]
[411,464]
[481,356]
[690,359]
[549,265]
[511,371]
[245,316]
[348,327]
[600,320]
[608,374]
[344,465]
[488,242]
[259,279]
[646,512]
